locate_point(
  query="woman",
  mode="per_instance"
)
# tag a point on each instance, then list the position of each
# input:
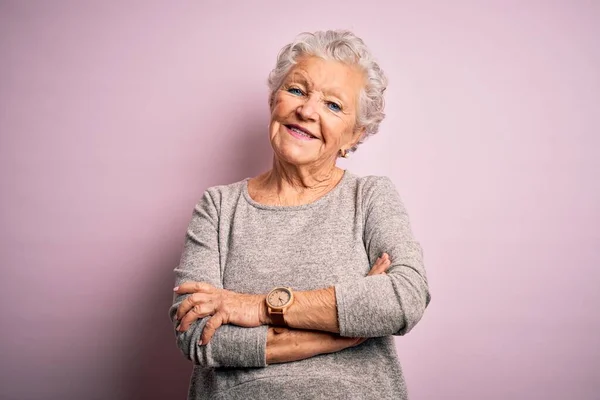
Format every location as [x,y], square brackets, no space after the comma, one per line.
[292,283]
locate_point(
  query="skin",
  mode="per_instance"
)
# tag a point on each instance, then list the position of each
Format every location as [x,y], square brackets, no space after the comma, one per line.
[248,310]
[320,96]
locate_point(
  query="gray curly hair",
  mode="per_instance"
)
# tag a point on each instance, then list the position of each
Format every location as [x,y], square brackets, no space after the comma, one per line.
[343,46]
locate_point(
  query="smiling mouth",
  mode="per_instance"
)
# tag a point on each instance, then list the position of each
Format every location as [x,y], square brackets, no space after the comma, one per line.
[300,132]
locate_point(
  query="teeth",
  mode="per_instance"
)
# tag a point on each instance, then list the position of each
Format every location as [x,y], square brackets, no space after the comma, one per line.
[300,132]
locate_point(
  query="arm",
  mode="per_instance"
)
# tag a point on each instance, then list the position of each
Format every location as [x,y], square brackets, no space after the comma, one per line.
[379,305]
[232,346]
[373,306]
[227,307]
[285,345]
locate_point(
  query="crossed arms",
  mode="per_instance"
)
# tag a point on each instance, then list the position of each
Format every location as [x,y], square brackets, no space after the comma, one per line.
[217,327]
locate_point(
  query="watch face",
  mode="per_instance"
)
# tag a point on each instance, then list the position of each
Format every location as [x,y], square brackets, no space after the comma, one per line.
[279,297]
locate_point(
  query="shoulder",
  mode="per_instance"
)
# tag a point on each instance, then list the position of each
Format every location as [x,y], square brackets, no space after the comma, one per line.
[226,191]
[373,186]
[376,182]
[380,200]
[376,193]
[219,196]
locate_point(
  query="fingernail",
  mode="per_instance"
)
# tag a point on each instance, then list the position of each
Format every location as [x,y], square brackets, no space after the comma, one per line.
[176,288]
[200,342]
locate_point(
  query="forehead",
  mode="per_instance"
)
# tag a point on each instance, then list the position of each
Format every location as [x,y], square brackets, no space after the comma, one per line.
[329,76]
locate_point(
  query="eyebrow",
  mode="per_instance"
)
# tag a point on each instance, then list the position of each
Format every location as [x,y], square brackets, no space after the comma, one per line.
[337,94]
[303,78]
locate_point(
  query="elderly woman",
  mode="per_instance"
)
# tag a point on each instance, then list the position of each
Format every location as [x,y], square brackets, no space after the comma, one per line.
[292,283]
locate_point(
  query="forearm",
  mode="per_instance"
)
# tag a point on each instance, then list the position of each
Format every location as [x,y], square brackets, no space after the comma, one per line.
[286,345]
[387,304]
[313,310]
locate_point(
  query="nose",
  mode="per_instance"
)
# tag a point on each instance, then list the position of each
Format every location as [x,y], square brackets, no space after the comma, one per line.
[308,109]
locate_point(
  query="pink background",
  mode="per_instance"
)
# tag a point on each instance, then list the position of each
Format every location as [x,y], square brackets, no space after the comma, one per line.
[115,116]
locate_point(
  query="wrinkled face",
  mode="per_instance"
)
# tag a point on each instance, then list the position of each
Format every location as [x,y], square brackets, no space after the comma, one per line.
[313,114]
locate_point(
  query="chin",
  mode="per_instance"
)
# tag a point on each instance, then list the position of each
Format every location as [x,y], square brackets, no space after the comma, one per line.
[294,155]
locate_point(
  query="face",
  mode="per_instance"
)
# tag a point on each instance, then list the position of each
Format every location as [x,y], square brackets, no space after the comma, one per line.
[313,115]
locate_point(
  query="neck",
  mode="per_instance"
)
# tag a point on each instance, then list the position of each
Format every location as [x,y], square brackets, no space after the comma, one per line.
[305,181]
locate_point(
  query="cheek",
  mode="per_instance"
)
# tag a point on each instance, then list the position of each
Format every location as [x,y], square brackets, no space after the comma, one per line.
[337,130]
[283,106]
[275,106]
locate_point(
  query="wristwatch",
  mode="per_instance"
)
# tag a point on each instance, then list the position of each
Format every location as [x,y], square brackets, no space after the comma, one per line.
[278,301]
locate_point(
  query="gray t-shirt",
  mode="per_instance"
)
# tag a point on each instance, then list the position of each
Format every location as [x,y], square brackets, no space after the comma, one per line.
[241,245]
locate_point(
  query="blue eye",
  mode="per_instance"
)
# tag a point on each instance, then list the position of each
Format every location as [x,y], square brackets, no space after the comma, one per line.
[334,106]
[295,91]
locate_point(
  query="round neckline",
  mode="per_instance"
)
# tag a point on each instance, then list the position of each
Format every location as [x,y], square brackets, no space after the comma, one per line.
[315,203]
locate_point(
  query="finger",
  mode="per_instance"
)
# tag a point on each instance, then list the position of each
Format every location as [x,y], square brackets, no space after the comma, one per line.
[373,271]
[193,287]
[199,311]
[387,261]
[210,328]
[190,302]
[381,269]
[383,258]
[381,265]
[375,265]
[187,321]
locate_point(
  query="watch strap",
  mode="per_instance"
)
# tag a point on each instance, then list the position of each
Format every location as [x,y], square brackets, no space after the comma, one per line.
[277,318]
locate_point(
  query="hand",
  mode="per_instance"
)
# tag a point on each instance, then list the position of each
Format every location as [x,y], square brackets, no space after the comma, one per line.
[338,343]
[224,306]
[381,265]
